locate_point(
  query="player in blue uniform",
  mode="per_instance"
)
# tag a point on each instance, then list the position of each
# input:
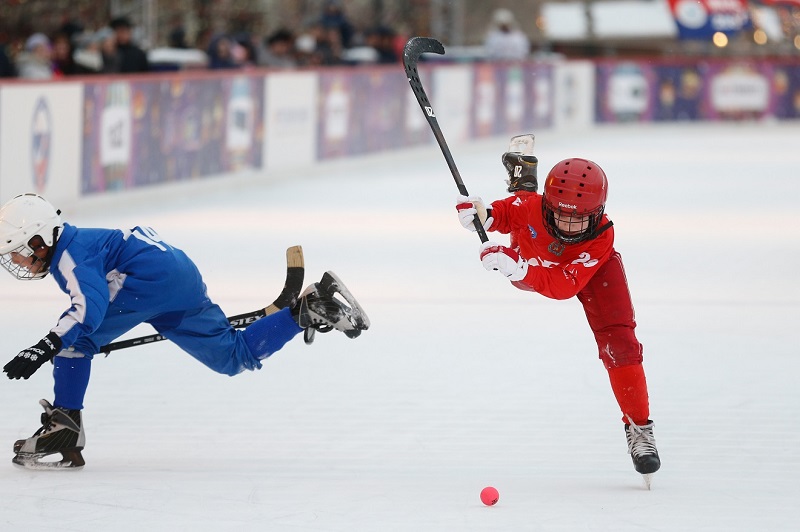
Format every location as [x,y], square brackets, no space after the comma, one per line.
[117,279]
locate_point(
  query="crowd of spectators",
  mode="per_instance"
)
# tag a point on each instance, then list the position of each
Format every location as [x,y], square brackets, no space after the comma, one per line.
[74,51]
[329,40]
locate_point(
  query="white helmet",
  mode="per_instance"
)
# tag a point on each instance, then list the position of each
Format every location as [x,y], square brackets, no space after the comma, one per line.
[21,219]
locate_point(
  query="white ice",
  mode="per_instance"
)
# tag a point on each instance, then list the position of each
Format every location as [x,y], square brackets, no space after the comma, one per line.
[462,381]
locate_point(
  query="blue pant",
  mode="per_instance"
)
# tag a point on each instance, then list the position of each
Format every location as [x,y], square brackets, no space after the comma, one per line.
[203,332]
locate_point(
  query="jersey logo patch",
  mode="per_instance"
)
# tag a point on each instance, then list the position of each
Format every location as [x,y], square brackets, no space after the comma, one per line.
[556,248]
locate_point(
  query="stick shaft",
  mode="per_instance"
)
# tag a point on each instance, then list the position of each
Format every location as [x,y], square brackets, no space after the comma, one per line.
[295,271]
[415,47]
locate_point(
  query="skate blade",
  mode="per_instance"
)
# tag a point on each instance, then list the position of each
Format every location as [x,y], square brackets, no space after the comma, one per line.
[647,477]
[71,460]
[359,320]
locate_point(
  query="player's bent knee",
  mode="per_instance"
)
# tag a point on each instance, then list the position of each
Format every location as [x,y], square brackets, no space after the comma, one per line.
[618,357]
[71,353]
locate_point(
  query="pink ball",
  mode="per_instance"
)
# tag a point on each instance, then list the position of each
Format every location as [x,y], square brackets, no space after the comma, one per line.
[489,496]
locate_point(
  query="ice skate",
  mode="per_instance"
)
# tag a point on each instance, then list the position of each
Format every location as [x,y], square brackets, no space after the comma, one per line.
[329,305]
[642,448]
[61,432]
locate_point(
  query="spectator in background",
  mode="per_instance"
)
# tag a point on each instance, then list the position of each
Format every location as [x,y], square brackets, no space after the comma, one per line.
[35,60]
[71,28]
[304,46]
[177,55]
[106,40]
[504,40]
[131,57]
[87,58]
[278,50]
[7,68]
[320,46]
[244,49]
[177,38]
[221,53]
[333,18]
[382,39]
[96,53]
[63,64]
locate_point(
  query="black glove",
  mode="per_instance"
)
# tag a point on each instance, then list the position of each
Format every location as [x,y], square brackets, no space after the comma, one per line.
[29,360]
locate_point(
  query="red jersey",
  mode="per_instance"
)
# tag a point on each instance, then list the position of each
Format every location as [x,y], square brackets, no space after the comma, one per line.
[555,270]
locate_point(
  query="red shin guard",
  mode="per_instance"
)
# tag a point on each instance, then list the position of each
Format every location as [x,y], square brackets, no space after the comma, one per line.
[630,389]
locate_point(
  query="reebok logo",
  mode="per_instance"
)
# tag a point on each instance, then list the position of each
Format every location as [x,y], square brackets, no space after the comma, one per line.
[567,205]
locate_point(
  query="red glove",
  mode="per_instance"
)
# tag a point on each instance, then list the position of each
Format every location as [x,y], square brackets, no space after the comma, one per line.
[504,260]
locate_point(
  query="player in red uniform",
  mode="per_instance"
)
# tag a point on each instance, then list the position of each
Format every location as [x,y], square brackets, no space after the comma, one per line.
[562,245]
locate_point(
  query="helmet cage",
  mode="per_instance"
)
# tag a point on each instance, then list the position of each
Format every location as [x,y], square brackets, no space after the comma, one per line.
[14,263]
[580,227]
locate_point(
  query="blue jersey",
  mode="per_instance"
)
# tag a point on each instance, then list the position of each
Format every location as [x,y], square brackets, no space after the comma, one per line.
[127,271]
[117,279]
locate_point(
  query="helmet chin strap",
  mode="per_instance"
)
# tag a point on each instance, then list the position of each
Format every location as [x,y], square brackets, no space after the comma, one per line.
[50,251]
[602,229]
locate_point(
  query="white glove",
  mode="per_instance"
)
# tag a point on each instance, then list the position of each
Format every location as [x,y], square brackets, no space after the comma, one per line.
[468,207]
[504,260]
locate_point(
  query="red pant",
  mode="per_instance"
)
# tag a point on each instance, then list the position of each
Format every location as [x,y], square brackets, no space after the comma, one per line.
[607,303]
[609,310]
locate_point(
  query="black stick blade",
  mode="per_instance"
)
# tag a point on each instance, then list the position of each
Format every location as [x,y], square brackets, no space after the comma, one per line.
[416,46]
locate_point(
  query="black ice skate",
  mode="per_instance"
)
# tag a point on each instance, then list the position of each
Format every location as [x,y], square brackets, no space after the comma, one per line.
[642,448]
[61,432]
[329,305]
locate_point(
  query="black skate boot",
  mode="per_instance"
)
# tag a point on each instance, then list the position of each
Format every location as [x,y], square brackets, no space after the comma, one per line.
[329,305]
[61,432]
[642,448]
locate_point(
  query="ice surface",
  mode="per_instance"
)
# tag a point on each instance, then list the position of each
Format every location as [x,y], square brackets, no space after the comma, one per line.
[462,381]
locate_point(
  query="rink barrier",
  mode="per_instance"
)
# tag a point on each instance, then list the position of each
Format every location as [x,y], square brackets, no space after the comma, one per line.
[104,135]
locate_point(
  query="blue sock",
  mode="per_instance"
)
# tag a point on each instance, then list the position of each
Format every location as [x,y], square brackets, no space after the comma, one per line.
[267,335]
[71,377]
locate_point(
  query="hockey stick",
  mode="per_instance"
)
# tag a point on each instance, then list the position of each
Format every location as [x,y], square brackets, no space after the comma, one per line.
[295,271]
[415,47]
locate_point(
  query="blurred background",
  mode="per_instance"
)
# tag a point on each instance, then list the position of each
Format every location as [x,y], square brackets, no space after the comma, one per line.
[576,28]
[167,92]
[244,126]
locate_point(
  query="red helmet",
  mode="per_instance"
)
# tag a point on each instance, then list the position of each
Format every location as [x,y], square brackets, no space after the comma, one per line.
[575,193]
